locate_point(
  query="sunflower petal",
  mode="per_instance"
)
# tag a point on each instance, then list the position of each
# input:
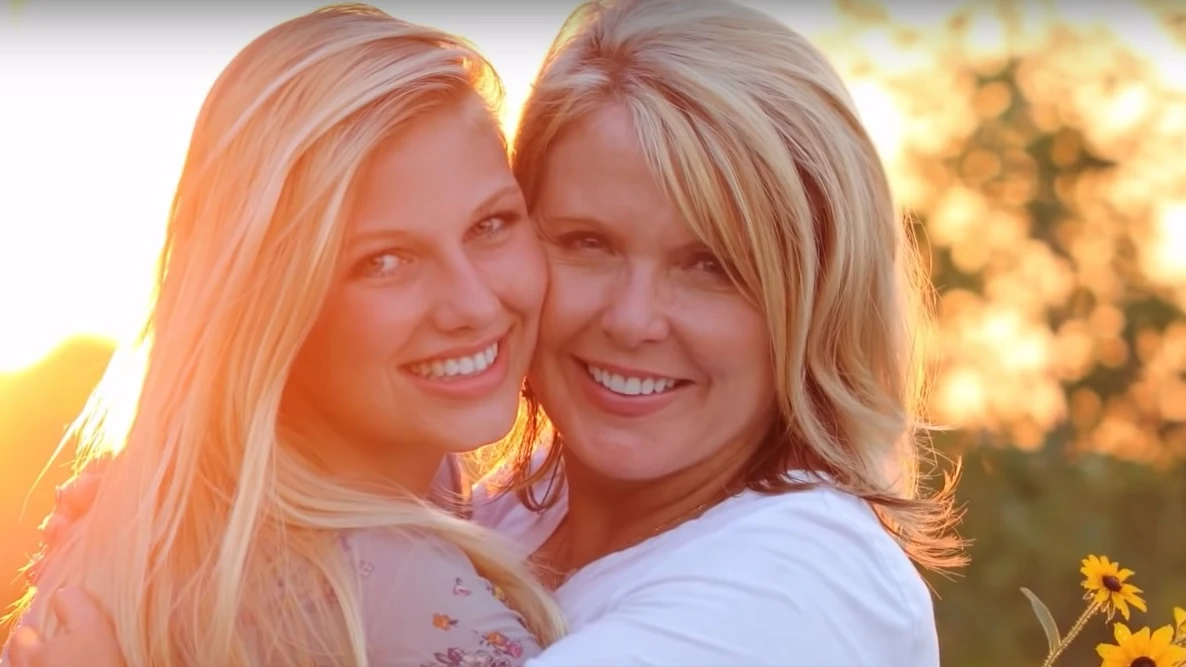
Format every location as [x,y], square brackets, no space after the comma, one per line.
[1106,651]
[1137,602]
[1163,636]
[1124,574]
[1179,618]
[1121,606]
[1121,632]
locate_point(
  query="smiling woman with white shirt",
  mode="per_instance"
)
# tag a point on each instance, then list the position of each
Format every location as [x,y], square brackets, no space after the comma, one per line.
[728,353]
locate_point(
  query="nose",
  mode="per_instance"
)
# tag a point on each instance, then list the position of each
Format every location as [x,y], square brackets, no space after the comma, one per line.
[466,301]
[634,314]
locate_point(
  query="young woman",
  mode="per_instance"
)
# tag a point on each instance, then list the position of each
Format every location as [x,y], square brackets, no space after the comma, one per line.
[727,352]
[350,292]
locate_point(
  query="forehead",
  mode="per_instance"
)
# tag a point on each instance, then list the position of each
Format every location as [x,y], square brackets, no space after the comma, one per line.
[440,167]
[597,170]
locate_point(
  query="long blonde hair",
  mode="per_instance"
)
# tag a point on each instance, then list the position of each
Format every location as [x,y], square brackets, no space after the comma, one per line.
[210,504]
[754,137]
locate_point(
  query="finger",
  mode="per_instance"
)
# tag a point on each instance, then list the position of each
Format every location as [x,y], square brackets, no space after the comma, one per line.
[74,650]
[79,494]
[54,527]
[24,648]
[77,611]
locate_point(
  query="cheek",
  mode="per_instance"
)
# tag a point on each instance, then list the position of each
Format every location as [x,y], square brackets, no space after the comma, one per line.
[358,335]
[573,302]
[733,345]
[518,275]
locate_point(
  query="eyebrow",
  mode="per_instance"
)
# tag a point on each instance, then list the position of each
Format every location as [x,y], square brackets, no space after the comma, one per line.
[491,203]
[486,207]
[572,220]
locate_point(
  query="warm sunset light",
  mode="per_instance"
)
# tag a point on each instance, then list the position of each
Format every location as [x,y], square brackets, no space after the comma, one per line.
[1035,149]
[92,151]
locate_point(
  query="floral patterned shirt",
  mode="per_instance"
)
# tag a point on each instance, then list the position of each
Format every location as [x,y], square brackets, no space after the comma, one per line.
[424,605]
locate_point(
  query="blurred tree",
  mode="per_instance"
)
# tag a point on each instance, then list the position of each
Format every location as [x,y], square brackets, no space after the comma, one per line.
[1041,175]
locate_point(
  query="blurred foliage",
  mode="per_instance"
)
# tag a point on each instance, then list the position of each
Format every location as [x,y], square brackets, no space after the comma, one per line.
[1033,515]
[1044,174]
[1042,167]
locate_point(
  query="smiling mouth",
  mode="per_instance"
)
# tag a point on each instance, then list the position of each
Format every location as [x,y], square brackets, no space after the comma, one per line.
[456,368]
[630,385]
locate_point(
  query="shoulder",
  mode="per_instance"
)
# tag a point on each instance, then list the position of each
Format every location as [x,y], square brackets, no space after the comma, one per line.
[798,526]
[782,571]
[833,537]
[423,602]
[503,512]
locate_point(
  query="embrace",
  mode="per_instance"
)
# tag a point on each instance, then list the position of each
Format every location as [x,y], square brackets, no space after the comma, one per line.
[682,304]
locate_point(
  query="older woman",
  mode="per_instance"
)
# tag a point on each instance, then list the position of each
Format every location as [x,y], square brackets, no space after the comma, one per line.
[726,352]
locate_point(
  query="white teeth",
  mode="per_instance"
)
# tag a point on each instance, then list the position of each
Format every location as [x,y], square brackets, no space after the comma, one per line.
[629,386]
[461,366]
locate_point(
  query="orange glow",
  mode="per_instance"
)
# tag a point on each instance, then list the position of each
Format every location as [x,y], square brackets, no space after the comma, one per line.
[82,214]
[1167,249]
[963,396]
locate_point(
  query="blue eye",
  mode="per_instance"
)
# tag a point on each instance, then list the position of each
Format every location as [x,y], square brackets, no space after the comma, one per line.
[381,265]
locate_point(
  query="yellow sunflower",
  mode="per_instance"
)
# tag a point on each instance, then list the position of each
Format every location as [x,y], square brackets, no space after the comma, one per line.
[1143,649]
[1179,623]
[1104,581]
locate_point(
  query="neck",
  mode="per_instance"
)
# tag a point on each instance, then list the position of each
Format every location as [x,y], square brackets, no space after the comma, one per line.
[370,464]
[608,515]
[395,470]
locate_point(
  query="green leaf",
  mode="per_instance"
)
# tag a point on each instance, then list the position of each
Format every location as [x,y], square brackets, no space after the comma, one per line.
[1045,618]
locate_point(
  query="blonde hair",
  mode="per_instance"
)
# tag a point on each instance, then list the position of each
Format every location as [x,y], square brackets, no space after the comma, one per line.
[210,506]
[754,137]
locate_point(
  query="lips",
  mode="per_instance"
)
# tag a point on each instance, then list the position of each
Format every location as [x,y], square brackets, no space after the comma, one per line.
[443,368]
[465,374]
[629,384]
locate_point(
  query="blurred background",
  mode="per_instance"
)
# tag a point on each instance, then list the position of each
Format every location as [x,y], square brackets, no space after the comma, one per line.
[1037,147]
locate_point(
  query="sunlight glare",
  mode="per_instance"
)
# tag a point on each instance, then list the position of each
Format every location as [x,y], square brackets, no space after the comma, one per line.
[1167,247]
[92,153]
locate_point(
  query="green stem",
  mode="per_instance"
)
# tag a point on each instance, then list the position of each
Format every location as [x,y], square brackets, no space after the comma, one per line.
[1074,632]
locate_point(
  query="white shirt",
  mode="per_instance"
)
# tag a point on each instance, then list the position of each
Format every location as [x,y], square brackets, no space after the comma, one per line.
[805,579]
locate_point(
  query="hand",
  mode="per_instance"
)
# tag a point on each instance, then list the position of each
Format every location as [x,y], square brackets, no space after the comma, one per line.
[72,501]
[86,636]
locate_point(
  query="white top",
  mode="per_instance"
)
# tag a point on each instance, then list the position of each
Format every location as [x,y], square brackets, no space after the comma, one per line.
[805,579]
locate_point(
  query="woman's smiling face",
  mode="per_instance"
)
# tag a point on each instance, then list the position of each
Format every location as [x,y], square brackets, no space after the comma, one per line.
[426,336]
[649,359]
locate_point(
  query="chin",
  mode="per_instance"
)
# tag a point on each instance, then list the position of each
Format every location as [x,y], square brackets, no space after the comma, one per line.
[479,427]
[618,458]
